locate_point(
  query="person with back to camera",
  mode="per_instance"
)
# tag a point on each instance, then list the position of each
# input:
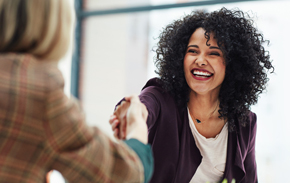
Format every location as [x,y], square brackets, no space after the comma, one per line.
[211,67]
[40,128]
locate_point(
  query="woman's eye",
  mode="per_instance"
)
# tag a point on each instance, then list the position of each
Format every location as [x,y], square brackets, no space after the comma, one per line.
[215,53]
[192,51]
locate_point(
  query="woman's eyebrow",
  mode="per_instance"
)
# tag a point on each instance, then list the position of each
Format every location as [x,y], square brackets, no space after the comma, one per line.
[214,47]
[195,46]
[211,47]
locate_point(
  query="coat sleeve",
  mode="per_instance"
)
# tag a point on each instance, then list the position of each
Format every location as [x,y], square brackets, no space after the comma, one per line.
[250,160]
[80,153]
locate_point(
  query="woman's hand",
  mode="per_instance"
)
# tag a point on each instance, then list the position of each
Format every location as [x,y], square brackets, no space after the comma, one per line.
[129,120]
[119,128]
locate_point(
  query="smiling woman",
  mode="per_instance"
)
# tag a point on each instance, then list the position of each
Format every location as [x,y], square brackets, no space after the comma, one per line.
[204,64]
[212,68]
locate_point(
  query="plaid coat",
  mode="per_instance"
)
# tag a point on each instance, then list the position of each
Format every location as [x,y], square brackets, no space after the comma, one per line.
[41,129]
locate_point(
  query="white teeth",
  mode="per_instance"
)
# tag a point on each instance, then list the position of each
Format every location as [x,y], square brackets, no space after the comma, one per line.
[201,73]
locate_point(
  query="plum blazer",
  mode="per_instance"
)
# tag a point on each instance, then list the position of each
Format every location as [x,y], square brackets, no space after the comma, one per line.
[175,153]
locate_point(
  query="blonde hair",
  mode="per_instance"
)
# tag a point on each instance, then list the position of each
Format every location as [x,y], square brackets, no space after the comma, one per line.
[39,27]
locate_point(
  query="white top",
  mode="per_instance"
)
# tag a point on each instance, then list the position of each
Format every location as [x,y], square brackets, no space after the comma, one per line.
[214,153]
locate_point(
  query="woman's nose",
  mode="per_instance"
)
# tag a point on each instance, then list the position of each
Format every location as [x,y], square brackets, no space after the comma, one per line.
[201,60]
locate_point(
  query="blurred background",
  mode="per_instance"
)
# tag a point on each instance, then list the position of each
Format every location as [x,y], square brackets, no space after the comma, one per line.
[112,57]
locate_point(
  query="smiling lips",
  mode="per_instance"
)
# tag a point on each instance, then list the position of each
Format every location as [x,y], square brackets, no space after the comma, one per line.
[201,74]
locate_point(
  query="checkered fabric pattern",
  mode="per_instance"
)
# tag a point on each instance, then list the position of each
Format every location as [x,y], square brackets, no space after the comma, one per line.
[41,129]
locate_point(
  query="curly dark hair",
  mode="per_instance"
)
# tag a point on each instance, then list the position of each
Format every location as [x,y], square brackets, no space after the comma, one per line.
[247,62]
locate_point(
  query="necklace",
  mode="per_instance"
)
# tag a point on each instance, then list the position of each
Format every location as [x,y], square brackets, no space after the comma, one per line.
[198,121]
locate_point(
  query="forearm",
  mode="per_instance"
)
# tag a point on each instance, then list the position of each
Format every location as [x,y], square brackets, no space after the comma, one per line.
[99,160]
[84,154]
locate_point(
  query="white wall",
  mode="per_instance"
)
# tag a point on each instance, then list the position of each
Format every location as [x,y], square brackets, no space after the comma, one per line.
[114,57]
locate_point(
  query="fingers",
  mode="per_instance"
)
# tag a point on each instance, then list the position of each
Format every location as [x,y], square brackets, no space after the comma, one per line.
[122,127]
[121,109]
[137,105]
[116,133]
[112,118]
[132,99]
[115,126]
[136,119]
[121,122]
[114,122]
[121,113]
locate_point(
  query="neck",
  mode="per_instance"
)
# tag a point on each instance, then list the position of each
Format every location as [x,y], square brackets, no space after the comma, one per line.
[203,107]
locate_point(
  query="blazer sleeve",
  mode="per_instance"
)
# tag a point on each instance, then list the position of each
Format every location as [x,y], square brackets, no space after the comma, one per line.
[250,160]
[80,153]
[150,97]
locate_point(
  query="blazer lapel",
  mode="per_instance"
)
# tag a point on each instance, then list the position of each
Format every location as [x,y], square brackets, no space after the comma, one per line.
[234,166]
[239,163]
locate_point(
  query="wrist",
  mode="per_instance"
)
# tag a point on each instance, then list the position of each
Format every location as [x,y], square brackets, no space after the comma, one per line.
[140,133]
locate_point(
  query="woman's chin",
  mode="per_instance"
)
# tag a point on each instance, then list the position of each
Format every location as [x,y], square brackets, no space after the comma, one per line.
[205,90]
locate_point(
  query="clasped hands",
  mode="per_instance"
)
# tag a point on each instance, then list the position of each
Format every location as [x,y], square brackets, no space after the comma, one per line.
[129,120]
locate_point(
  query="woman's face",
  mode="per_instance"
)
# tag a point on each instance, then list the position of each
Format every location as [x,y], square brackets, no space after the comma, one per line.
[204,66]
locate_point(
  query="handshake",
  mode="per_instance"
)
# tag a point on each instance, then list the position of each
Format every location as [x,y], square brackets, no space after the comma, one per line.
[129,120]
